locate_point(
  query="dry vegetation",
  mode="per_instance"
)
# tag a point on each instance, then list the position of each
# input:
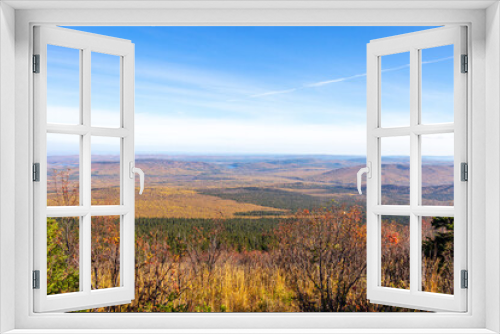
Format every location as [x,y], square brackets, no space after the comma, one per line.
[314,260]
[318,266]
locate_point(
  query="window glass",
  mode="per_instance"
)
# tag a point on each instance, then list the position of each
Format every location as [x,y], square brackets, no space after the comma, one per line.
[395,252]
[63,255]
[106,170]
[395,170]
[105,252]
[437,254]
[437,98]
[395,90]
[437,169]
[63,85]
[106,95]
[63,169]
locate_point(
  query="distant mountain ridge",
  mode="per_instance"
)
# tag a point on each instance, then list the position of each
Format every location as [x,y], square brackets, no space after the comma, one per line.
[395,174]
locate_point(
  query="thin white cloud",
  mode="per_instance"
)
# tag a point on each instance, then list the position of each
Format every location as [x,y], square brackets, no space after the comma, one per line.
[275,92]
[327,82]
[195,78]
[395,68]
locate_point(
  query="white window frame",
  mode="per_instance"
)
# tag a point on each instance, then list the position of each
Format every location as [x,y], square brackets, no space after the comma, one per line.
[413,43]
[86,44]
[484,147]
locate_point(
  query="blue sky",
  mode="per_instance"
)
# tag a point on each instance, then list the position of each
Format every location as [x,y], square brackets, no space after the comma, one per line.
[292,90]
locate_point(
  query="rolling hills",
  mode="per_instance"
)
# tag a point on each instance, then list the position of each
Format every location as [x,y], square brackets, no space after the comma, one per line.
[230,186]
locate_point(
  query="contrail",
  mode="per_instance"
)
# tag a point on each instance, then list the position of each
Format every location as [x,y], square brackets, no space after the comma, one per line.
[436,60]
[322,83]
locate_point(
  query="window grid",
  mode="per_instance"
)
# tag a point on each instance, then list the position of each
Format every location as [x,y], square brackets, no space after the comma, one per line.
[86,43]
[415,298]
[85,210]
[415,210]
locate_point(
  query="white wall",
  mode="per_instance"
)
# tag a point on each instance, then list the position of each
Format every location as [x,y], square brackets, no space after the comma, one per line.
[492,164]
[7,159]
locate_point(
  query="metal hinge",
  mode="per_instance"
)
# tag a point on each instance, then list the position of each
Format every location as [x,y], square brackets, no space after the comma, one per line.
[36,172]
[36,279]
[464,171]
[36,63]
[464,279]
[465,64]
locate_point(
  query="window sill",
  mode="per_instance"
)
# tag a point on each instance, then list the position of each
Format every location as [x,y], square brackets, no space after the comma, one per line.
[250,331]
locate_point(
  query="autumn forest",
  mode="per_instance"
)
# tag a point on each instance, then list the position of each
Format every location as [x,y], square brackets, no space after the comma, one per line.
[249,233]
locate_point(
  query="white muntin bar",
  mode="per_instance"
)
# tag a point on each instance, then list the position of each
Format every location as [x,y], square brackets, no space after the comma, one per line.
[80,129]
[415,262]
[418,129]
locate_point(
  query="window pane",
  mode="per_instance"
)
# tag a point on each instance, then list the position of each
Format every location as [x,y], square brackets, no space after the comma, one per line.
[63,169]
[395,242]
[63,255]
[437,85]
[437,254]
[105,252]
[105,90]
[395,170]
[395,90]
[63,85]
[437,169]
[105,171]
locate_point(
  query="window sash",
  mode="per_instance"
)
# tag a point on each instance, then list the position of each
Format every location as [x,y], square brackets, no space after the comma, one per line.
[86,298]
[414,298]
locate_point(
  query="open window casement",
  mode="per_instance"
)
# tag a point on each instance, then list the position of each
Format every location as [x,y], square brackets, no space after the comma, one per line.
[422,293]
[76,227]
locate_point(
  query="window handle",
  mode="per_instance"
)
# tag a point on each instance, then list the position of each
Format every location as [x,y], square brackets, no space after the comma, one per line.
[368,171]
[134,170]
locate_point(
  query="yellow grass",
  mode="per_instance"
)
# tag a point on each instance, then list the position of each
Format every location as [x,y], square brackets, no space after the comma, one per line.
[176,202]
